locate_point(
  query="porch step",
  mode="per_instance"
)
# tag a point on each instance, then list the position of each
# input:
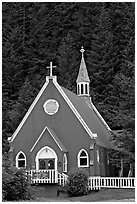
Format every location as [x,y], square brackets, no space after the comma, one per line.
[46,190]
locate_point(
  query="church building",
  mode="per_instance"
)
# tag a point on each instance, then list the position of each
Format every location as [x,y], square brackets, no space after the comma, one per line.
[62,131]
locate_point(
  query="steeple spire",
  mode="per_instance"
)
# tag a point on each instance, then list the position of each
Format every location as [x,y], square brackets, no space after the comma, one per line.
[83,74]
[83,78]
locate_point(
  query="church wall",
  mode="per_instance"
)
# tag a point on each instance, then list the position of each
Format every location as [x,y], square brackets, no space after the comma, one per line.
[102,167]
[64,123]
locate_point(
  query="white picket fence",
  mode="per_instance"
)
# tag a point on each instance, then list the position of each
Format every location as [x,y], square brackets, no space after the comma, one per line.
[96,183]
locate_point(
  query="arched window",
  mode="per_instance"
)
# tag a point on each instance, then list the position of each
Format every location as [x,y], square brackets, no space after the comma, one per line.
[65,163]
[98,159]
[21,160]
[83,160]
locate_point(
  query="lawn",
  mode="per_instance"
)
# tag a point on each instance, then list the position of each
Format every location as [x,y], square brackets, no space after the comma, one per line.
[102,195]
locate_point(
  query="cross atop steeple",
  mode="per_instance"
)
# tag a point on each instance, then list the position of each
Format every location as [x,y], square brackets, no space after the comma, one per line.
[51,68]
[82,51]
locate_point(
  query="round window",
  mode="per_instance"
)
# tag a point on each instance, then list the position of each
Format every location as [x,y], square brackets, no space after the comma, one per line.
[51,106]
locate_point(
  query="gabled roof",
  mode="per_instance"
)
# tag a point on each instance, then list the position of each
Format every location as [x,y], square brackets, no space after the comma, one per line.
[68,101]
[94,121]
[89,118]
[55,138]
[75,111]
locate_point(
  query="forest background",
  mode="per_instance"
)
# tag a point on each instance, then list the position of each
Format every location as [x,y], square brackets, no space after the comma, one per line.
[35,33]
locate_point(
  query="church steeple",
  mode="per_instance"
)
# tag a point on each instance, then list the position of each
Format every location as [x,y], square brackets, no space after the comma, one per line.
[83,78]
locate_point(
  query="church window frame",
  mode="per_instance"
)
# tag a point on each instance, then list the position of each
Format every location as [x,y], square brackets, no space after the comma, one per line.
[65,163]
[98,156]
[20,160]
[54,109]
[83,158]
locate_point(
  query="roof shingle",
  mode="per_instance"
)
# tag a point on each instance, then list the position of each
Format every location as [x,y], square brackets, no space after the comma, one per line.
[91,118]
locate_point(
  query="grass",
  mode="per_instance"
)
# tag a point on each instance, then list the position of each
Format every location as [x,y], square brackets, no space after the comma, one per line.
[102,195]
[107,194]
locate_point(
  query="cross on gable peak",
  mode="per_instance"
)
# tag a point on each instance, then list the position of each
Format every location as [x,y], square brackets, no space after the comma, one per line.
[51,68]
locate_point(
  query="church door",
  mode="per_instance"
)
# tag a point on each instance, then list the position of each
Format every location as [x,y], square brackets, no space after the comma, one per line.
[46,159]
[46,164]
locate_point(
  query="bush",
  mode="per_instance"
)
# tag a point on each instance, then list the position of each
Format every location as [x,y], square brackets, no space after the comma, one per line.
[15,185]
[77,183]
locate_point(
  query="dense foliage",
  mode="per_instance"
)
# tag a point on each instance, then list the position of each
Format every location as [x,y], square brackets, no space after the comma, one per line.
[35,33]
[77,183]
[15,185]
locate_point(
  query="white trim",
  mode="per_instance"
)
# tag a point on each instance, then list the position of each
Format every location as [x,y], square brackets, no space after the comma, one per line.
[92,135]
[65,162]
[20,152]
[41,136]
[87,157]
[101,118]
[9,138]
[30,109]
[38,153]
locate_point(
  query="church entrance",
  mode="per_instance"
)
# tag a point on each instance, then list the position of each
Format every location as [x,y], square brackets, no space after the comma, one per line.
[46,164]
[46,159]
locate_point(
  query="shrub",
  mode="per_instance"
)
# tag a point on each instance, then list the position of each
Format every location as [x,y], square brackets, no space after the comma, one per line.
[77,183]
[15,185]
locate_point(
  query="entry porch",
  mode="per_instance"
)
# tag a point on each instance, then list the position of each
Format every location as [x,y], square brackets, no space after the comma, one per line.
[46,176]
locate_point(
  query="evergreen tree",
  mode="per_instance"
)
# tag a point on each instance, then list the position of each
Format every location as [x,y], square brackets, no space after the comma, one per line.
[68,63]
[100,58]
[35,33]
[123,119]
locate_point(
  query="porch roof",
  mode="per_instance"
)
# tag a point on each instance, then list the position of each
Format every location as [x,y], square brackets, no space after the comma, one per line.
[55,138]
[58,141]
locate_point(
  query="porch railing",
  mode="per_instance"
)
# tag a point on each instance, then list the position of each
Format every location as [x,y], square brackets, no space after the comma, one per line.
[62,179]
[46,176]
[96,183]
[42,176]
